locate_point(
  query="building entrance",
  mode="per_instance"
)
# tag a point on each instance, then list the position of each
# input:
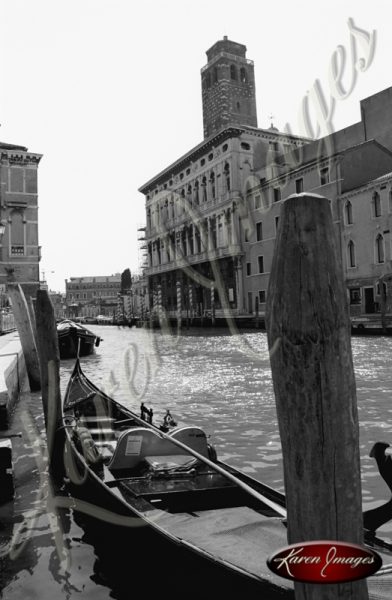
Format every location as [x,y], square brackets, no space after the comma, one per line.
[369,301]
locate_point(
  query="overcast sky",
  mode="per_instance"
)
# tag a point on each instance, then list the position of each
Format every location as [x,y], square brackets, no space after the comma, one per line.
[109,92]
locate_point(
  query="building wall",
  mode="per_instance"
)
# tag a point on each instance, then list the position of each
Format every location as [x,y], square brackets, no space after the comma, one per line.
[346,169]
[362,230]
[90,296]
[20,251]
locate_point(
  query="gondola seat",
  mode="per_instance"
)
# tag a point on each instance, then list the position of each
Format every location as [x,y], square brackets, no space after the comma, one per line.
[142,444]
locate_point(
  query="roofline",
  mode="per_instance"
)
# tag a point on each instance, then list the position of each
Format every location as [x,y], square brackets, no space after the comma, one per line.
[6,146]
[200,149]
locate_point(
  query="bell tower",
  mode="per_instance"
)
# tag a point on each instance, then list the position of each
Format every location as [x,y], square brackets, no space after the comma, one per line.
[228,87]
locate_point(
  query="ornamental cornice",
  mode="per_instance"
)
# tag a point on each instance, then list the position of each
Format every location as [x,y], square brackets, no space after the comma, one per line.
[20,158]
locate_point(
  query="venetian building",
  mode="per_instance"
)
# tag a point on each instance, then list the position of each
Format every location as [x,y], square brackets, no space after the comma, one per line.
[196,208]
[20,252]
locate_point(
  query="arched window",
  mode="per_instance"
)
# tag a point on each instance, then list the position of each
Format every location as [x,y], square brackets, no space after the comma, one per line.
[243,75]
[196,189]
[351,253]
[204,189]
[182,205]
[348,212]
[215,75]
[227,176]
[212,185]
[190,194]
[380,249]
[233,72]
[148,218]
[376,205]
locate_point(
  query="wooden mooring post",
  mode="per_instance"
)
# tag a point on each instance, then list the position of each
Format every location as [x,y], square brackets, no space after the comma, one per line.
[311,361]
[26,328]
[49,359]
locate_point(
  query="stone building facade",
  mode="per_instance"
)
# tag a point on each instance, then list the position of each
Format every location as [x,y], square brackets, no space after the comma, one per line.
[92,296]
[195,206]
[352,168]
[20,252]
[212,216]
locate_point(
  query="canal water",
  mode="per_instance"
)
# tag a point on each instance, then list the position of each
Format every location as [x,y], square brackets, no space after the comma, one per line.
[218,381]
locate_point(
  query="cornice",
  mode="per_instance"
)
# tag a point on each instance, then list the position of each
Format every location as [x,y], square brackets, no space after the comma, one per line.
[19,158]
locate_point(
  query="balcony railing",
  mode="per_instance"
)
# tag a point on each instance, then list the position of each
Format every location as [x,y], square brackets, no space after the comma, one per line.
[198,212]
[17,250]
[186,261]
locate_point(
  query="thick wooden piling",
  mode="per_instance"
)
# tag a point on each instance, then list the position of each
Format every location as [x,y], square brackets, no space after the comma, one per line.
[309,340]
[49,359]
[26,327]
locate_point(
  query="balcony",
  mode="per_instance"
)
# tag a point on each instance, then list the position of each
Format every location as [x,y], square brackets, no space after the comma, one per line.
[197,212]
[188,261]
[17,250]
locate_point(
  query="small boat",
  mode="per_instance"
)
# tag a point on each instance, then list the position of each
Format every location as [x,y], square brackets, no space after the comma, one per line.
[72,336]
[170,479]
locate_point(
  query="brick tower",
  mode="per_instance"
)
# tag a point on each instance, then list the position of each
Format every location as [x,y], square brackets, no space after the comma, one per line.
[228,87]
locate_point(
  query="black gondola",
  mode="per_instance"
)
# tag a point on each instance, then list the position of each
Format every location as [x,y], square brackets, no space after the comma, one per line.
[72,335]
[131,472]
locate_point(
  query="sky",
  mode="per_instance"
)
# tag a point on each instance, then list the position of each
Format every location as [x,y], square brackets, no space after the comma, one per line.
[108,91]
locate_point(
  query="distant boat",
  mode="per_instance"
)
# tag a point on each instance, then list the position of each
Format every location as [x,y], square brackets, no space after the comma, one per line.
[71,335]
[104,320]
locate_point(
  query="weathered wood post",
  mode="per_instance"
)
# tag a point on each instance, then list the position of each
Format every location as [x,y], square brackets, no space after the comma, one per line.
[26,329]
[310,347]
[49,359]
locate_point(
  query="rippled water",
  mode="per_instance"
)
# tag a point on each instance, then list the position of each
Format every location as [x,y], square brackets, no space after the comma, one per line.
[223,383]
[220,382]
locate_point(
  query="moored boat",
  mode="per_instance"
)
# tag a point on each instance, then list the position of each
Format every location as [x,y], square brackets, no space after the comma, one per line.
[74,338]
[129,471]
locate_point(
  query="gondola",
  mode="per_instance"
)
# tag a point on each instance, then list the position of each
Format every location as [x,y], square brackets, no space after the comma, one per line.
[169,479]
[72,335]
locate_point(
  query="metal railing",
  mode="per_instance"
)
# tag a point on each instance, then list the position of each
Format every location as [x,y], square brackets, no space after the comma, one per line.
[7,322]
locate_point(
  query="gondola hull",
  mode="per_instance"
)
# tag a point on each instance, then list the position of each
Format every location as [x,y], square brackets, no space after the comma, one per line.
[73,338]
[157,509]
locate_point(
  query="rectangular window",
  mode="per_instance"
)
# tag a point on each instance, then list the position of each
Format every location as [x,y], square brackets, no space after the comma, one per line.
[277,194]
[355,296]
[260,260]
[248,269]
[258,201]
[262,296]
[324,176]
[246,235]
[31,181]
[276,224]
[299,185]
[259,231]
[16,179]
